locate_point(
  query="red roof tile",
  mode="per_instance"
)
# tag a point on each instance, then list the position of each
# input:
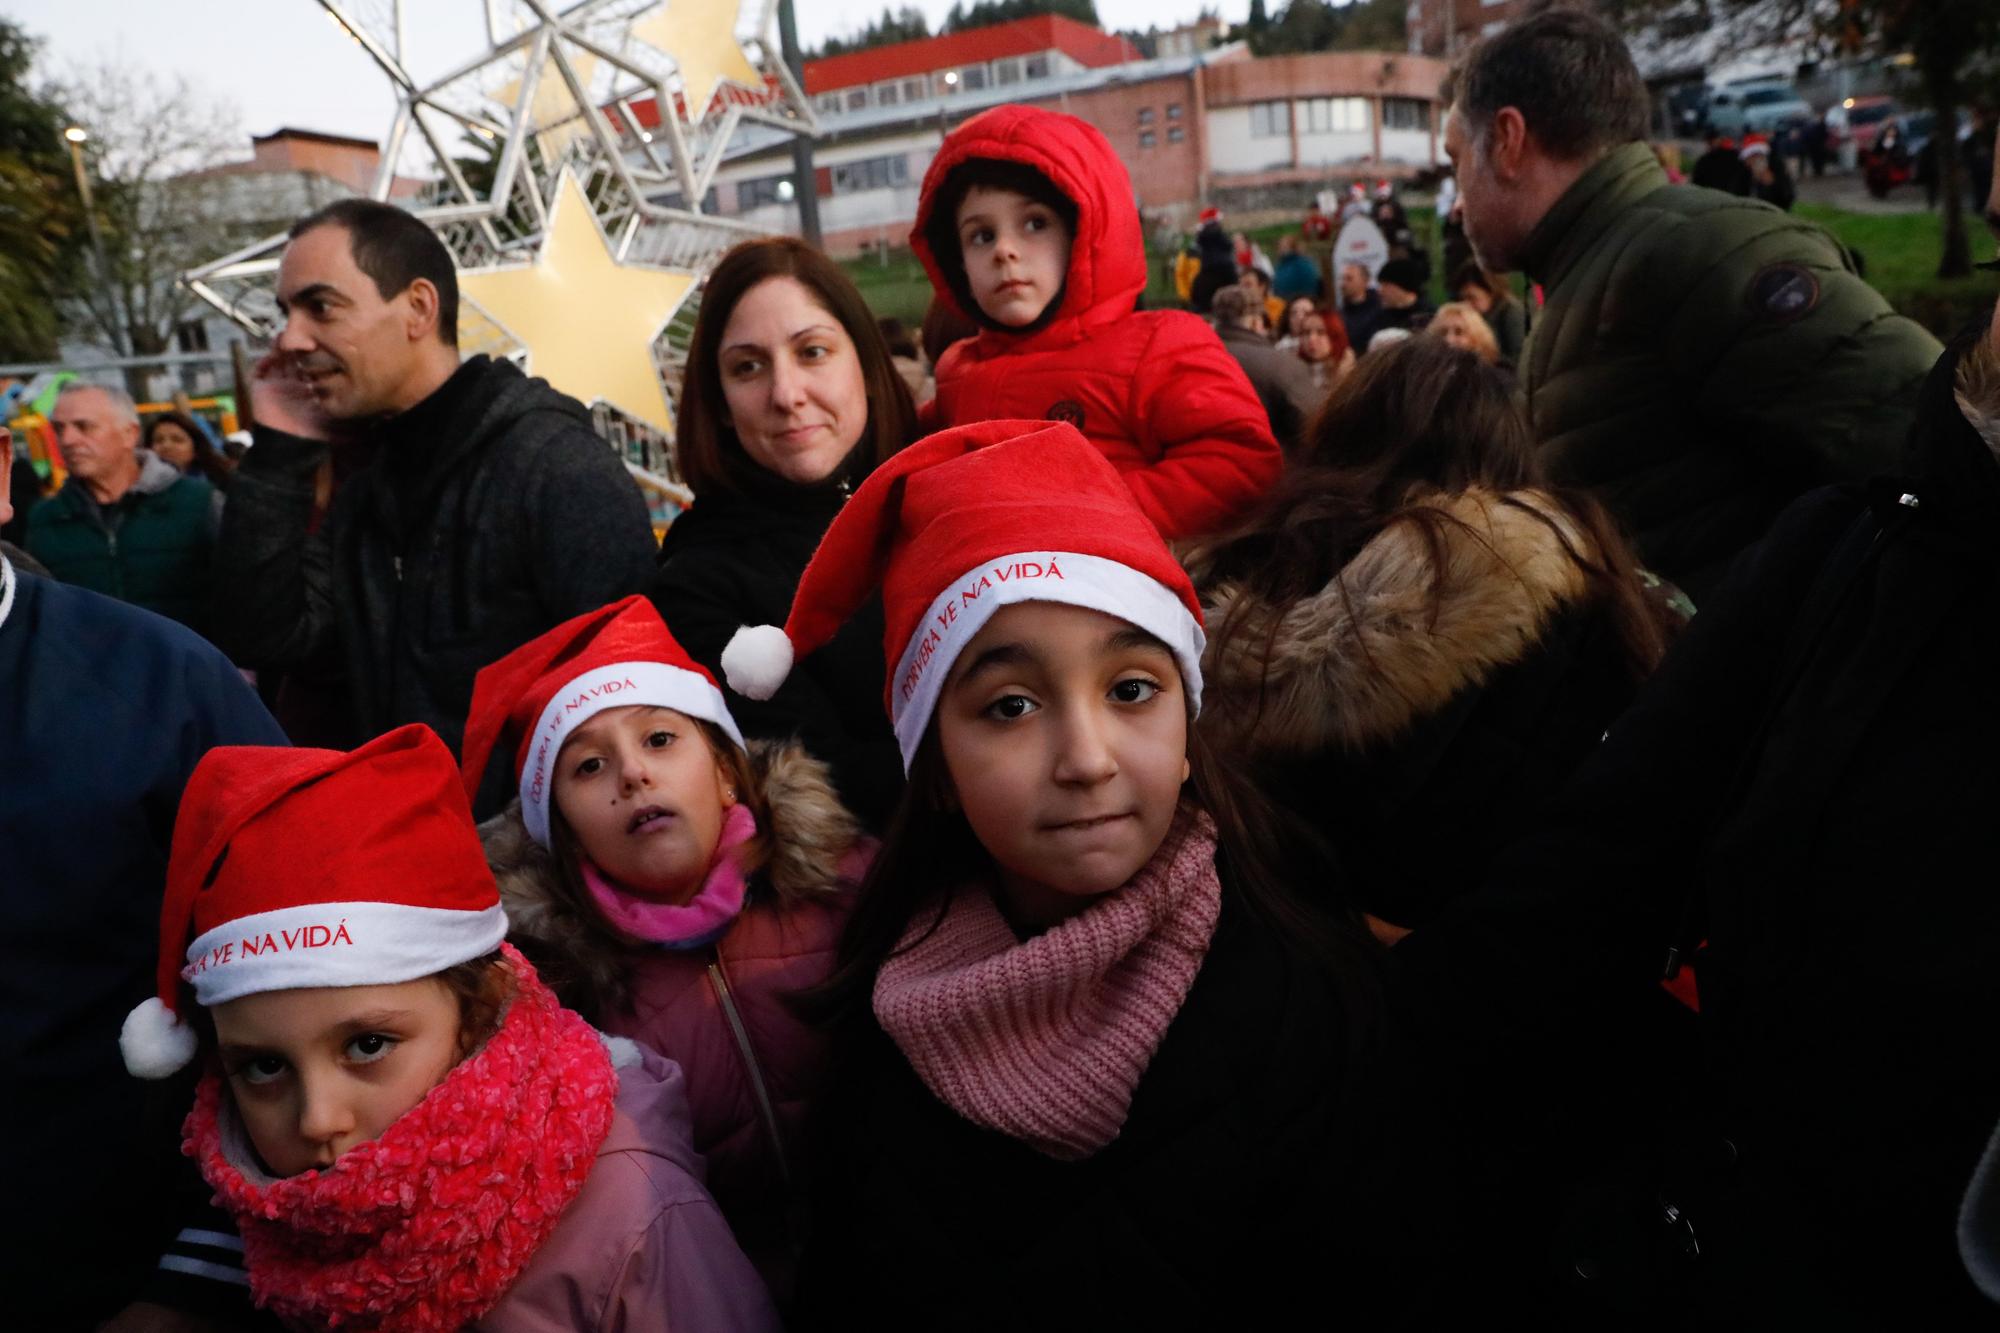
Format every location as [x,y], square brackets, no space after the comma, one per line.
[1088,46]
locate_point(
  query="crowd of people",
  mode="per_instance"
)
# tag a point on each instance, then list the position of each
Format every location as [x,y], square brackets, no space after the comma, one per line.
[1316,810]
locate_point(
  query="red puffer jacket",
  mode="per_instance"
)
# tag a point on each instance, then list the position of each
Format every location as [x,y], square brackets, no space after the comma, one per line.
[1155,390]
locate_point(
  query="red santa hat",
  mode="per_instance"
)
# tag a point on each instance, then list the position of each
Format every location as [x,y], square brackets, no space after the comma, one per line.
[959,525]
[1211,214]
[1756,145]
[295,868]
[617,656]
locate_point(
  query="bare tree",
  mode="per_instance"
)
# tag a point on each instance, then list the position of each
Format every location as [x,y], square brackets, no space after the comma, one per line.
[153,144]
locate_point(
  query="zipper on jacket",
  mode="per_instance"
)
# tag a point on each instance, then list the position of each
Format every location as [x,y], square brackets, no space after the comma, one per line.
[397,561]
[765,1109]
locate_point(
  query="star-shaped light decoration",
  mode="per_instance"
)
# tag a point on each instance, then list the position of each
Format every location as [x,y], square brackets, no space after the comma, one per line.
[588,321]
[554,118]
[700,38]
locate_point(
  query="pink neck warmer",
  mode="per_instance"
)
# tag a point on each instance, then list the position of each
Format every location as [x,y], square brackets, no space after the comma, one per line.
[699,919]
[424,1229]
[1046,1040]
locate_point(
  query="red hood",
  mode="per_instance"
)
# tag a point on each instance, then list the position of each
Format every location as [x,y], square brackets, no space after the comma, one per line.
[1107,259]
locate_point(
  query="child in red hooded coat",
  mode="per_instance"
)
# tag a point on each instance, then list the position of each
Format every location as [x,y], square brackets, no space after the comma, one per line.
[1027,225]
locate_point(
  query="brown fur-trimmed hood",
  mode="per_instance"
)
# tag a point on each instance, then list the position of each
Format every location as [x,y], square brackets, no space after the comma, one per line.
[1362,659]
[811,835]
[1977,390]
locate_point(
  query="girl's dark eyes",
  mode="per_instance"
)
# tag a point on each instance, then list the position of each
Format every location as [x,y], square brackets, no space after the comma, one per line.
[744,368]
[589,766]
[1134,690]
[1010,708]
[660,740]
[369,1047]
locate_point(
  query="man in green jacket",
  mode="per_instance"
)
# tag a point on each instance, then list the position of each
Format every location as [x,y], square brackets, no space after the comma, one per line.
[126,523]
[1702,359]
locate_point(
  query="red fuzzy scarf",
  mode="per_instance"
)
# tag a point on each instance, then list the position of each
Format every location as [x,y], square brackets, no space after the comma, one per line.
[426,1227]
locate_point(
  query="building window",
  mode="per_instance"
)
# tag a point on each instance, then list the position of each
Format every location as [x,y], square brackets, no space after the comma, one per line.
[189,336]
[887,94]
[760,190]
[972,78]
[1006,71]
[1173,111]
[1334,115]
[871,173]
[1175,134]
[1145,115]
[913,89]
[829,101]
[1035,67]
[1147,139]
[1270,120]
[857,98]
[1405,113]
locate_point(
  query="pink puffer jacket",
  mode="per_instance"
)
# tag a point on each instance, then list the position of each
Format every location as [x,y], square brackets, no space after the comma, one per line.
[718,1011]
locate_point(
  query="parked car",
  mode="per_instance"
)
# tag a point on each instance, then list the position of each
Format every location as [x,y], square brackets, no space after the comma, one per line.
[1859,119]
[1765,107]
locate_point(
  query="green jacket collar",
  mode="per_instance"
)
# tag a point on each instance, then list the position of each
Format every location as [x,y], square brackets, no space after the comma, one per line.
[1587,208]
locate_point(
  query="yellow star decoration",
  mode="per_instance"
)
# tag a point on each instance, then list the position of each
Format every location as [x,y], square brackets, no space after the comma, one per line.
[553,117]
[588,321]
[700,38]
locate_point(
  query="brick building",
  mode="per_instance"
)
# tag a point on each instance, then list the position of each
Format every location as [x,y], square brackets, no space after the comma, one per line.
[1203,124]
[1443,28]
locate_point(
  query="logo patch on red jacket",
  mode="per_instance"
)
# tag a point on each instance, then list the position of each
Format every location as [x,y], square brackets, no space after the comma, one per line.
[1067,409]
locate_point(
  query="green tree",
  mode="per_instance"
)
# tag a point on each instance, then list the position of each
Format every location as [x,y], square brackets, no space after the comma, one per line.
[986,13]
[896,25]
[38,214]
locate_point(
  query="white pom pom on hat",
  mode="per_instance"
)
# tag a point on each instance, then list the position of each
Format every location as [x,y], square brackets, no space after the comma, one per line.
[757,660]
[155,1043]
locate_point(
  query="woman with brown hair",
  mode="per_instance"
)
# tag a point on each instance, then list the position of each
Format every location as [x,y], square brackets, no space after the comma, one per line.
[789,400]
[1417,637]
[179,440]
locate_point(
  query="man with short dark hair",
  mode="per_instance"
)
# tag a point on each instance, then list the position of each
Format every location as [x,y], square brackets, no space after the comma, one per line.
[1701,359]
[1404,305]
[1283,383]
[487,509]
[126,523]
[1360,305]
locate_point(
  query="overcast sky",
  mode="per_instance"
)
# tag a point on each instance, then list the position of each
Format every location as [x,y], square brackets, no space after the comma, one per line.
[282,62]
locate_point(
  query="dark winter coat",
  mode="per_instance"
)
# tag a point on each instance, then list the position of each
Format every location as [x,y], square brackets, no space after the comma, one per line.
[1704,360]
[1152,390]
[152,547]
[734,559]
[490,512]
[1807,784]
[1381,722]
[104,711]
[1233,1196]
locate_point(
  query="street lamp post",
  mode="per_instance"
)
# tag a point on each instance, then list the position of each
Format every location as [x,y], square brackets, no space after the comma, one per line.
[76,136]
[802,148]
[950,82]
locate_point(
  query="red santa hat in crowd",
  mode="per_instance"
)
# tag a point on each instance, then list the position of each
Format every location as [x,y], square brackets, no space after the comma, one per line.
[617,656]
[957,526]
[1755,145]
[294,868]
[1211,214]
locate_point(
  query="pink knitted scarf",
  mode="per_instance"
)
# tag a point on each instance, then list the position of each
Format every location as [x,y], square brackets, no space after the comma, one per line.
[714,907]
[426,1227]
[1046,1040]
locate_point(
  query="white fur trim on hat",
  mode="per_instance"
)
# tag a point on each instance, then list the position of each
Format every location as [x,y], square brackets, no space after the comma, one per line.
[619,685]
[969,601]
[154,1041]
[336,944]
[757,660]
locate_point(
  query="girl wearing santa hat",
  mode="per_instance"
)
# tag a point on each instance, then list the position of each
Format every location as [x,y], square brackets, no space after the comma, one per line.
[674,884]
[1091,1063]
[408,1129]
